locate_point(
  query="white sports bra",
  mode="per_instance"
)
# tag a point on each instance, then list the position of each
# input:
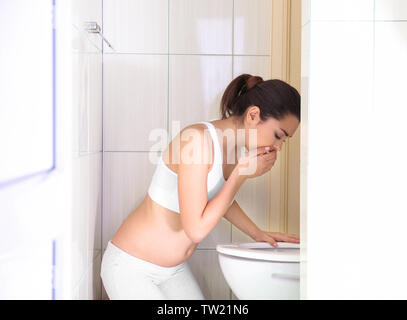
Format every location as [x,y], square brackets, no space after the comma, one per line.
[164,186]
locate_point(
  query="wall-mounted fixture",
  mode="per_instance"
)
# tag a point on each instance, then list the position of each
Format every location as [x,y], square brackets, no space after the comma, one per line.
[93,27]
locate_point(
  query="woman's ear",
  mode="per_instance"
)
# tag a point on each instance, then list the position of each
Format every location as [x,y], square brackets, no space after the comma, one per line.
[253,116]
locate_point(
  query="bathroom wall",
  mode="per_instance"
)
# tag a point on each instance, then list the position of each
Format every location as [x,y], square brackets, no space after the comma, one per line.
[353,209]
[85,220]
[172,62]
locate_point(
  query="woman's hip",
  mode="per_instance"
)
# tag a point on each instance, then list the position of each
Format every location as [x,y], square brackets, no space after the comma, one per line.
[127,277]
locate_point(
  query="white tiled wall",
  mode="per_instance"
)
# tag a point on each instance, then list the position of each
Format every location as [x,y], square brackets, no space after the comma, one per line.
[129,81]
[173,61]
[200,27]
[126,180]
[252,27]
[136,26]
[354,71]
[196,86]
[87,152]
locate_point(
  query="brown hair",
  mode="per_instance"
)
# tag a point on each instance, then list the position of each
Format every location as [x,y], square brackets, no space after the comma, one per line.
[275,98]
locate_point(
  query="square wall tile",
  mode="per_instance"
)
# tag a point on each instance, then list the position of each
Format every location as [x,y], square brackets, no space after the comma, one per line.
[87,102]
[341,9]
[127,176]
[80,217]
[197,84]
[258,66]
[135,100]
[86,213]
[206,269]
[253,198]
[200,26]
[95,103]
[252,27]
[82,89]
[136,25]
[95,206]
[391,10]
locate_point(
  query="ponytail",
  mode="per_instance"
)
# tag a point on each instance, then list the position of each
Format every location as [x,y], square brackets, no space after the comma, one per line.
[238,87]
[275,98]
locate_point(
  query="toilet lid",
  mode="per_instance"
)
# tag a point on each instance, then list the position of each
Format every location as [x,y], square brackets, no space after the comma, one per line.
[286,251]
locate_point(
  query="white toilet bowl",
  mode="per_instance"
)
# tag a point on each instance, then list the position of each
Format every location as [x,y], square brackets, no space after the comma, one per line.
[257,270]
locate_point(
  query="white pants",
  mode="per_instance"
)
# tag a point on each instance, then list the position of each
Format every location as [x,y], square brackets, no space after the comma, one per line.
[127,277]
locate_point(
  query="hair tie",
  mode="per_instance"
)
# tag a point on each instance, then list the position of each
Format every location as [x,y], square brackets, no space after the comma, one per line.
[253,81]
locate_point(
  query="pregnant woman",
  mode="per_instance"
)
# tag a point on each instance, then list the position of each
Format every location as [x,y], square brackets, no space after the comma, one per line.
[188,195]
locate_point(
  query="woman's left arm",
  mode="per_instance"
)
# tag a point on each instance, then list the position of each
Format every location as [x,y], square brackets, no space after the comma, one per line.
[238,218]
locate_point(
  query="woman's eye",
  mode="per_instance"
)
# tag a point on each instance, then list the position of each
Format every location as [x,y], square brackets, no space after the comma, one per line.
[277,136]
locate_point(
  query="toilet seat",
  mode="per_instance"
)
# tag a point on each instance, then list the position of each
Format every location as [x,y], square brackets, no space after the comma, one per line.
[286,251]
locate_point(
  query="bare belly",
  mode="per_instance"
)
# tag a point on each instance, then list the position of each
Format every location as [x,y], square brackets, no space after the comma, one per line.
[154,234]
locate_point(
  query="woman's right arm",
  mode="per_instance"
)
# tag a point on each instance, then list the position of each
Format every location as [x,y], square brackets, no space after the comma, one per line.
[198,215]
[216,208]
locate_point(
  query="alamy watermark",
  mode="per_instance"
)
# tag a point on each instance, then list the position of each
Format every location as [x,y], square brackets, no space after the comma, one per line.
[195,148]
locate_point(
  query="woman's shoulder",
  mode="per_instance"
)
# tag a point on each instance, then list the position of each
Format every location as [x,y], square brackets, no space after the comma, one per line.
[196,137]
[191,137]
[196,125]
[193,130]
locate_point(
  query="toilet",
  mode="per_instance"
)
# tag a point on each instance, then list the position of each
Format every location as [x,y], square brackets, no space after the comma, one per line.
[257,270]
